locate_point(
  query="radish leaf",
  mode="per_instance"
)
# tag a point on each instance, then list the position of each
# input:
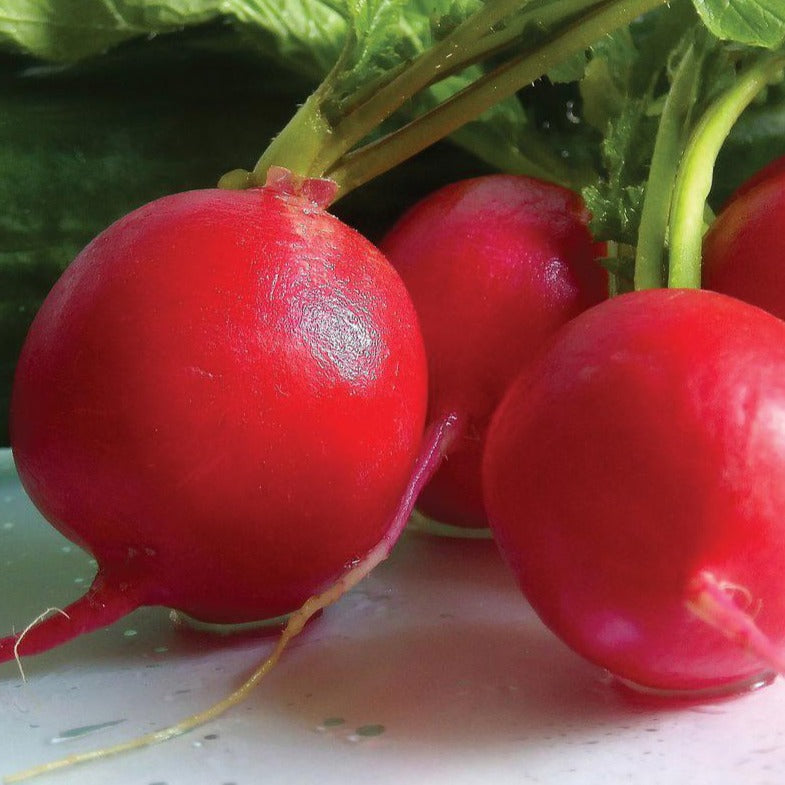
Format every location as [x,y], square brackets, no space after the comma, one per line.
[753,22]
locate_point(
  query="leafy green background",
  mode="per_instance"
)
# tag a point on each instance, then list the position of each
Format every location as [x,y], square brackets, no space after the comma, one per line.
[80,145]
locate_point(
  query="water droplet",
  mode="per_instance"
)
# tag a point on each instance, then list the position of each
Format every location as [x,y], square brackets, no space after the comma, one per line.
[330,722]
[366,732]
[82,730]
[78,580]
[66,549]
[8,525]
[161,649]
[196,744]
[129,633]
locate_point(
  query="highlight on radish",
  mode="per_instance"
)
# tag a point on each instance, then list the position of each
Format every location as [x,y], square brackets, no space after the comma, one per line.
[494,265]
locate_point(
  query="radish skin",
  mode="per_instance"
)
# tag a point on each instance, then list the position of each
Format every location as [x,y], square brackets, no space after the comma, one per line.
[744,247]
[635,482]
[494,265]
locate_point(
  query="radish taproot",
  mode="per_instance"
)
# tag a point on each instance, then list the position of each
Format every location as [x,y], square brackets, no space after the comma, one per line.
[222,399]
[494,265]
[635,482]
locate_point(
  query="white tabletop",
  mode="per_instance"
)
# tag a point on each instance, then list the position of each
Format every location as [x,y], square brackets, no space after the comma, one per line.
[432,671]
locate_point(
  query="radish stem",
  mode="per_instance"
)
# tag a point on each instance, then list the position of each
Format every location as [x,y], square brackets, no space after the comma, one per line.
[665,159]
[313,145]
[363,164]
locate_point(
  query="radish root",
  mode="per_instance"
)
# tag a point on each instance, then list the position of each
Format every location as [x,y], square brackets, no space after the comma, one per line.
[37,620]
[437,440]
[711,601]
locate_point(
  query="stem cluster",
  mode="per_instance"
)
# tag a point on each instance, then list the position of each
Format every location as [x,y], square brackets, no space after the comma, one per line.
[526,37]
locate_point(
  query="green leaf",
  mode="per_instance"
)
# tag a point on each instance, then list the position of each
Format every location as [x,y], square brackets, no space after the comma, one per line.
[753,22]
[68,30]
[304,35]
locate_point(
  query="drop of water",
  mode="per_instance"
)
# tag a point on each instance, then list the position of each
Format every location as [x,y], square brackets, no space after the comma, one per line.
[330,722]
[370,731]
[82,730]
[8,525]
[129,633]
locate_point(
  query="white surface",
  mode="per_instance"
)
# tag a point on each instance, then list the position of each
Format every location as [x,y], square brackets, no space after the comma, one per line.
[437,646]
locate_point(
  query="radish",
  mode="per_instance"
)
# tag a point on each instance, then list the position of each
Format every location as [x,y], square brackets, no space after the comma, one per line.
[634,477]
[222,399]
[263,365]
[494,265]
[744,247]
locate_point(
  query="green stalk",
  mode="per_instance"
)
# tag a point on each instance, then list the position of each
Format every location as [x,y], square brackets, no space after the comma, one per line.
[367,162]
[539,13]
[694,177]
[333,142]
[542,16]
[664,166]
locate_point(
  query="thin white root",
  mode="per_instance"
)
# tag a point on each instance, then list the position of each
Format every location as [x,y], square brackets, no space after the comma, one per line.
[712,601]
[438,439]
[294,626]
[37,620]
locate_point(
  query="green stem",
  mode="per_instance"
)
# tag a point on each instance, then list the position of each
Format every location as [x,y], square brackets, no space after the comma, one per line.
[665,159]
[694,178]
[299,145]
[540,15]
[367,162]
[474,49]
[433,64]
[310,144]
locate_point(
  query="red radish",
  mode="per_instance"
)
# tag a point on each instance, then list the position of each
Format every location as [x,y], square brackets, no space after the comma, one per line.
[773,170]
[222,399]
[635,482]
[494,265]
[743,250]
